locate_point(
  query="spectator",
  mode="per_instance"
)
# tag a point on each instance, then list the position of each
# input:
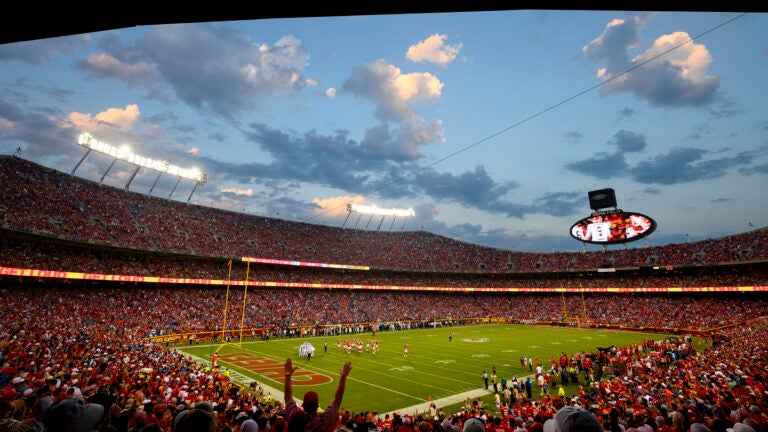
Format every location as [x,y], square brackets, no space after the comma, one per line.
[573,419]
[308,416]
[249,425]
[197,420]
[473,424]
[73,415]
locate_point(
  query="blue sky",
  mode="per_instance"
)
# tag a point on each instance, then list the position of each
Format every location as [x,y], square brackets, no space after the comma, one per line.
[492,126]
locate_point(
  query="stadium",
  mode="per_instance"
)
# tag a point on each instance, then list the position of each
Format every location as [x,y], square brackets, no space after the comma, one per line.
[127,312]
[138,301]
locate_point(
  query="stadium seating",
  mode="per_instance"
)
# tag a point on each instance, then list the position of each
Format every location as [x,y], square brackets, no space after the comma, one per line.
[69,336]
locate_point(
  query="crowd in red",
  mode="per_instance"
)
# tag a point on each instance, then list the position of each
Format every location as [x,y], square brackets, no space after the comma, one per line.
[47,202]
[36,253]
[94,351]
[58,342]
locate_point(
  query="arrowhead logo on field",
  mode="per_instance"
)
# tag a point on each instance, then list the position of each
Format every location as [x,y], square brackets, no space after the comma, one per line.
[274,370]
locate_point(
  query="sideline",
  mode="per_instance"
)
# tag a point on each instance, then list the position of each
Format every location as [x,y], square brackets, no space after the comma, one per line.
[423,407]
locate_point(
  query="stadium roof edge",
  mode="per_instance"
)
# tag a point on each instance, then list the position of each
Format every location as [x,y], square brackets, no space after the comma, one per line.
[25,21]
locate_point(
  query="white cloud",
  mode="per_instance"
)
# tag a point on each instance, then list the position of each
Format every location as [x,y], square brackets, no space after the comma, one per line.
[394,93]
[693,59]
[434,50]
[104,65]
[108,123]
[671,72]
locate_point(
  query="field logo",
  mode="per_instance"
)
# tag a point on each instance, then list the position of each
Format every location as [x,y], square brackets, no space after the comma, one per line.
[274,370]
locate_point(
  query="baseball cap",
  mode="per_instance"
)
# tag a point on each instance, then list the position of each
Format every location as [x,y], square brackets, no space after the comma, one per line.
[311,401]
[574,419]
[474,425]
[73,415]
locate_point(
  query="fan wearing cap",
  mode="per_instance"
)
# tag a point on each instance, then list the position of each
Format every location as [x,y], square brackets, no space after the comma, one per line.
[573,419]
[73,415]
[473,424]
[314,422]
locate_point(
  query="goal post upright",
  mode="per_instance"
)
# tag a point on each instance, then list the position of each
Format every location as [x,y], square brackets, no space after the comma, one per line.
[565,307]
[245,297]
[224,341]
[226,300]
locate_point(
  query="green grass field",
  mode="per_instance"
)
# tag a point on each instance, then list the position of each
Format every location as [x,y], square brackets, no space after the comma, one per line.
[435,368]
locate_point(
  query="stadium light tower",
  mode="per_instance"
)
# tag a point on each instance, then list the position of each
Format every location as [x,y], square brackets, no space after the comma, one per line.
[376,211]
[124,153]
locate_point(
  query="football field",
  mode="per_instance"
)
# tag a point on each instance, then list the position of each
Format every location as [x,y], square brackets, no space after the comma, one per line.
[386,381]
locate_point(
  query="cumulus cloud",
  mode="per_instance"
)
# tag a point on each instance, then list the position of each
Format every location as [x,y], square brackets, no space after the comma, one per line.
[394,94]
[106,66]
[113,122]
[672,72]
[403,143]
[210,68]
[434,50]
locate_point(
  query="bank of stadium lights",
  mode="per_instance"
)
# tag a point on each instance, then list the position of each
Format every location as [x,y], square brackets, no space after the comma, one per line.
[124,153]
[377,211]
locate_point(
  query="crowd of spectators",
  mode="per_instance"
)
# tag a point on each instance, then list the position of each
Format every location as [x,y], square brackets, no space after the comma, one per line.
[279,310]
[46,202]
[37,253]
[62,344]
[59,343]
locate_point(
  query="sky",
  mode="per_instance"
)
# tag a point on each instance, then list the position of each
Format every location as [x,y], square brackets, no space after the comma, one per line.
[492,126]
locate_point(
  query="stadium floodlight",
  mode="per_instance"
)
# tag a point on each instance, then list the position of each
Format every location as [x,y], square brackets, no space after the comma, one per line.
[125,154]
[378,211]
[375,210]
